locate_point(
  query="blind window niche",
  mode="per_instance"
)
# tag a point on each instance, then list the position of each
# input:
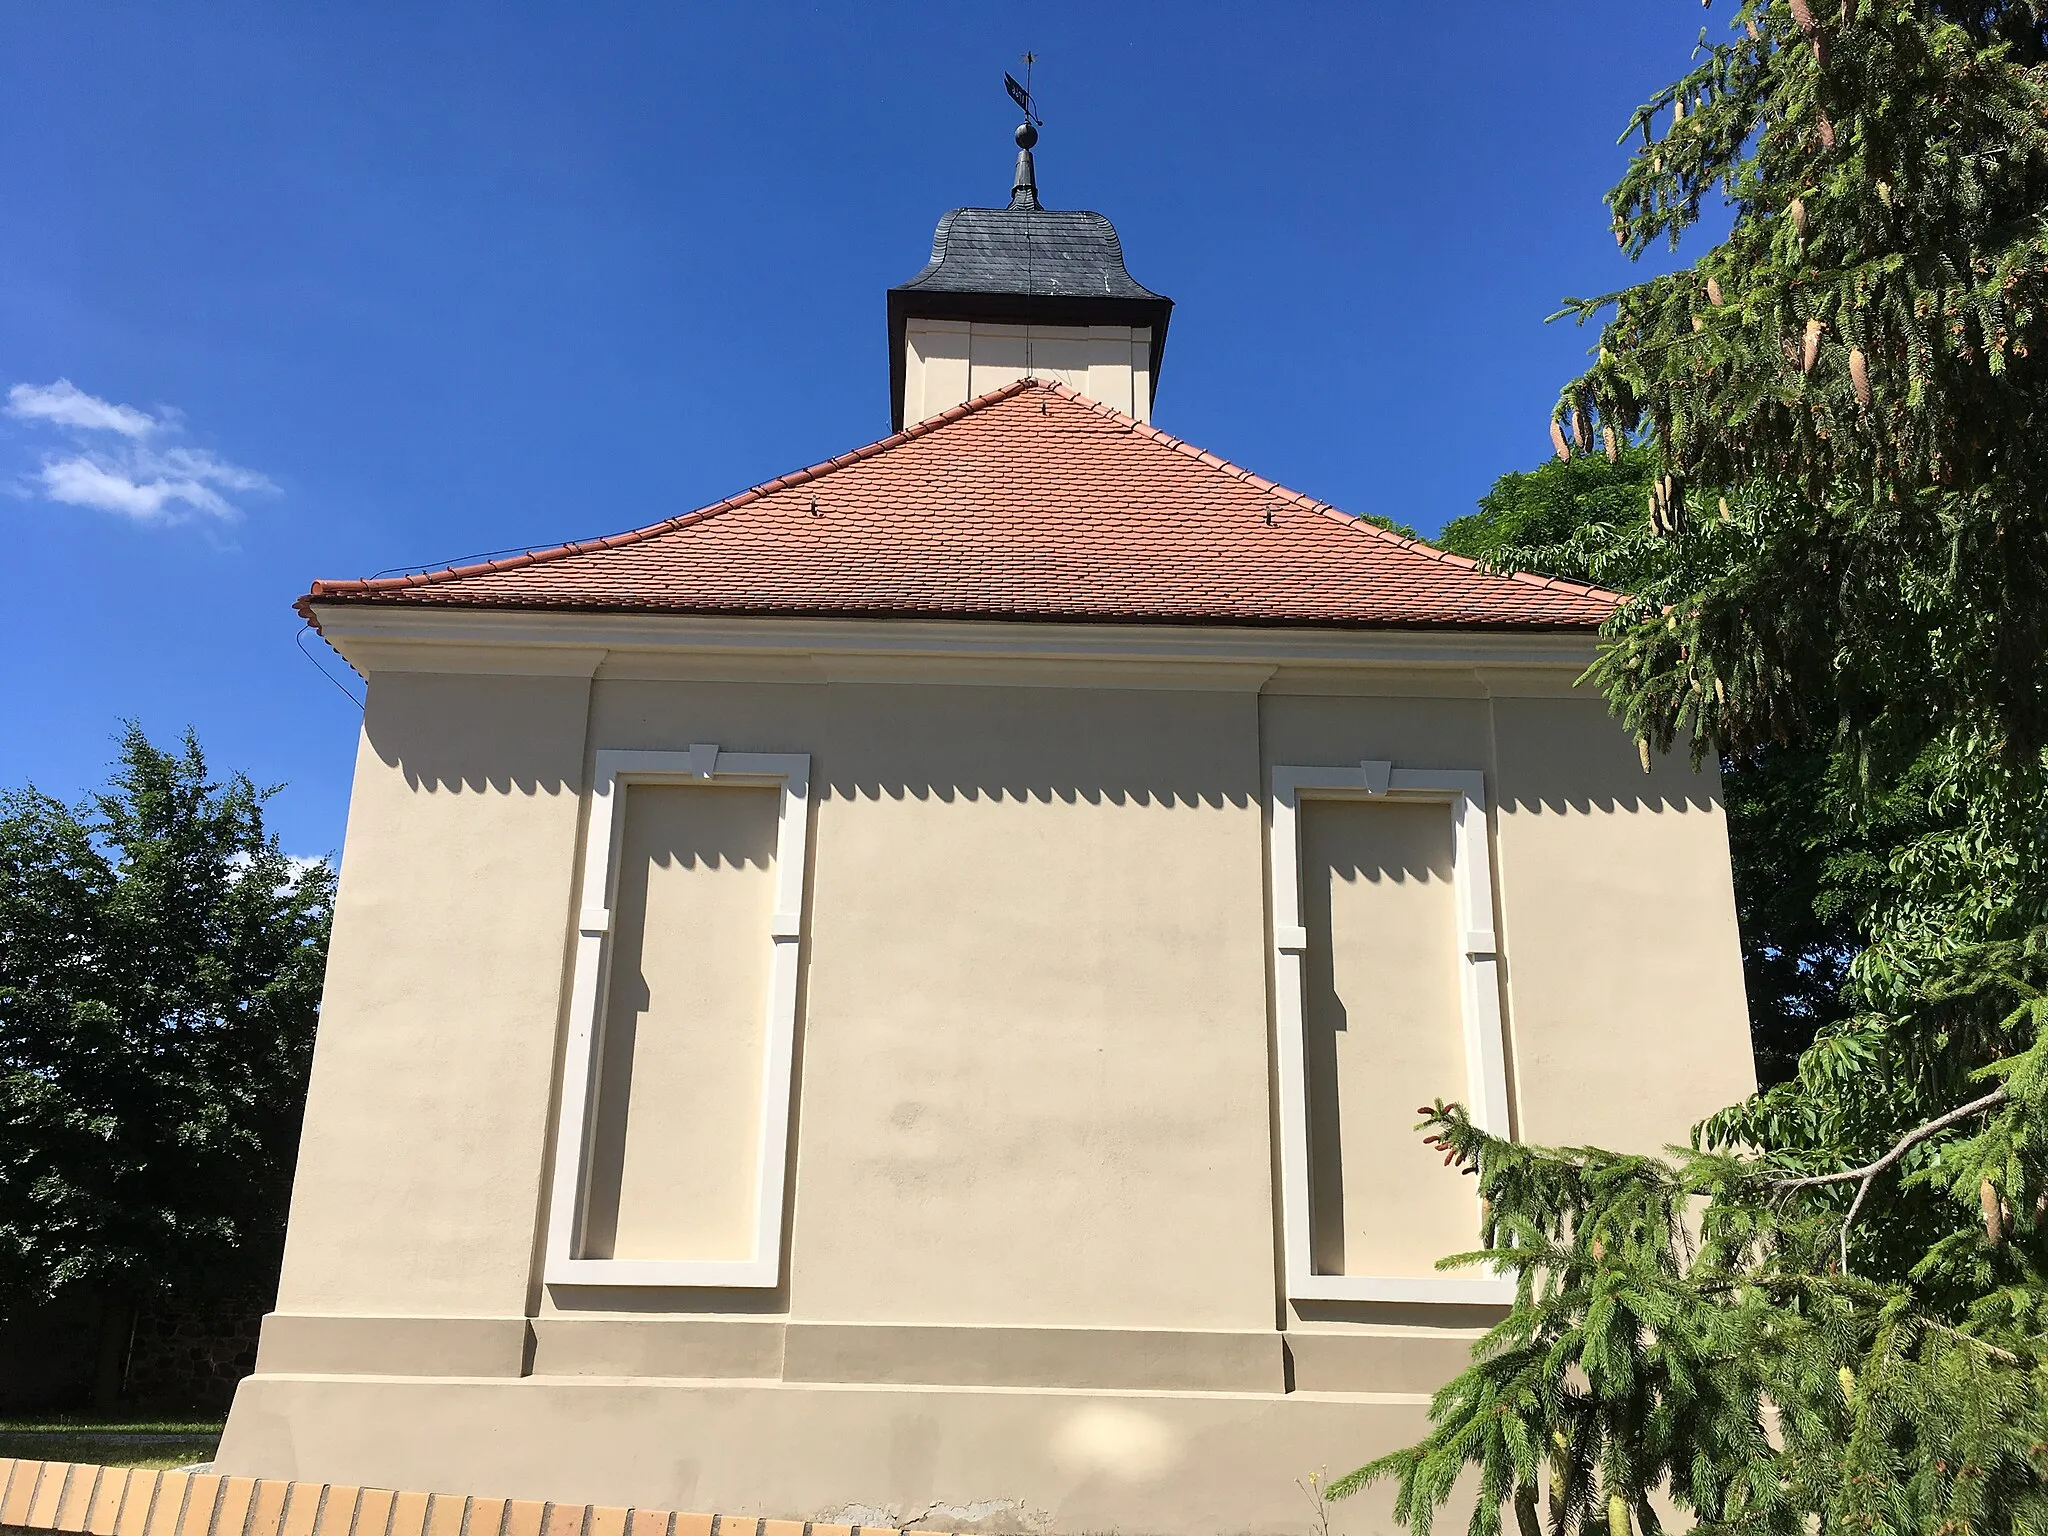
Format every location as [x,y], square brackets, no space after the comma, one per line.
[677,1106]
[1386,999]
[1383,1034]
[671,1149]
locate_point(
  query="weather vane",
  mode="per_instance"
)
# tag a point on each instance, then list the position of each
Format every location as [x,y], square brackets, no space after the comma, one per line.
[1021,94]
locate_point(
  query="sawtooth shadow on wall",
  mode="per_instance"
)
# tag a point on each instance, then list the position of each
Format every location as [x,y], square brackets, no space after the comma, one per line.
[469,735]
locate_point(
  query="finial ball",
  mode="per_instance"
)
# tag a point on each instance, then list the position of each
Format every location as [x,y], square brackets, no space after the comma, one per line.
[1026,135]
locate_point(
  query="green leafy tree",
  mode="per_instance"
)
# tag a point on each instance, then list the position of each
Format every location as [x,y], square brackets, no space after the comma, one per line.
[160,972]
[1803,852]
[1544,517]
[1832,866]
[1828,1314]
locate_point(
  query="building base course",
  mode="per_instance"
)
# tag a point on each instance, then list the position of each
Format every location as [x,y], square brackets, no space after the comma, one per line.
[810,1459]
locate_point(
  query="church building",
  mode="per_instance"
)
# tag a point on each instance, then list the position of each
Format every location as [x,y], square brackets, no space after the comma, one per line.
[899,998]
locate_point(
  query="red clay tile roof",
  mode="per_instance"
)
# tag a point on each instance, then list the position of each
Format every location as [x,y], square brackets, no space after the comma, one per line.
[1032,502]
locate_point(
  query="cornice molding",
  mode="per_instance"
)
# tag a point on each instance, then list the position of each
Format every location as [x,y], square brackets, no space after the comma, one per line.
[386,653]
[1222,658]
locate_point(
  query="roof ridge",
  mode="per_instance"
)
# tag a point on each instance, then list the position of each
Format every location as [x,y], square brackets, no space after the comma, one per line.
[754,493]
[1315,504]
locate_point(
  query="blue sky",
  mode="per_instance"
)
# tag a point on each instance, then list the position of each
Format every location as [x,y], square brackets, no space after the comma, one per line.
[380,286]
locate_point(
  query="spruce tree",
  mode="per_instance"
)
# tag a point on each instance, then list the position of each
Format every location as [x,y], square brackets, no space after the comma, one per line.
[1862,358]
[1828,1313]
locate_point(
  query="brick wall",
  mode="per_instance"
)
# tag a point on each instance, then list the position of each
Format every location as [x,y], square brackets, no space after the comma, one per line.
[39,1496]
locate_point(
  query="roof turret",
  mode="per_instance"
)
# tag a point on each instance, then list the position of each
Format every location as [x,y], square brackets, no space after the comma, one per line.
[1025,265]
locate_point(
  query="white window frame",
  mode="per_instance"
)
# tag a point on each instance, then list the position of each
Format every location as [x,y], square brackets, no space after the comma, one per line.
[788,772]
[1478,992]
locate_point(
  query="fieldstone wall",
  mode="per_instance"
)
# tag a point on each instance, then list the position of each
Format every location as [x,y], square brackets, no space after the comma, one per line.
[189,1356]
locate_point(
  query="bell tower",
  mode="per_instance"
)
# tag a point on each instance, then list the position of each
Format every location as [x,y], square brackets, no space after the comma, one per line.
[1023,291]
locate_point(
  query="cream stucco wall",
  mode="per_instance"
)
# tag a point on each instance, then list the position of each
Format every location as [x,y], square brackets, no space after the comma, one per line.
[1032,1140]
[949,362]
[433,1073]
[1599,863]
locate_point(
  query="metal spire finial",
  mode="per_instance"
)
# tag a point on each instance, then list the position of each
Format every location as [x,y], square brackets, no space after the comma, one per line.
[1024,184]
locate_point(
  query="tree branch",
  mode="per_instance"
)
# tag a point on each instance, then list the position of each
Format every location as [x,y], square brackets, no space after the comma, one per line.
[1899,1149]
[1868,1173]
[2003,1356]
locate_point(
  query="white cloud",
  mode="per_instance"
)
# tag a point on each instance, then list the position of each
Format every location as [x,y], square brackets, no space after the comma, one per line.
[149,486]
[295,867]
[133,479]
[64,404]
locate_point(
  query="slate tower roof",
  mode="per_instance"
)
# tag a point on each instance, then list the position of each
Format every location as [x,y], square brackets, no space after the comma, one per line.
[1024,265]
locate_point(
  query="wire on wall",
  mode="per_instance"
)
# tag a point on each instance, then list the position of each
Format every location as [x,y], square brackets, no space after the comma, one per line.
[345,691]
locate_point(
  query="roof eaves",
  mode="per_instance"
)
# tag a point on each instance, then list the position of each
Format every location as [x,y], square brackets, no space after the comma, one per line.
[1458,623]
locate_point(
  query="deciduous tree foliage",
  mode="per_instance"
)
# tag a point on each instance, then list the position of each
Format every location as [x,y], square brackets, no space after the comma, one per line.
[160,971]
[1569,514]
[1829,1313]
[1806,854]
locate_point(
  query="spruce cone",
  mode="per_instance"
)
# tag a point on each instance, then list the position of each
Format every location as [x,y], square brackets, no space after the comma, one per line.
[1803,14]
[1798,212]
[1643,752]
[1557,439]
[1677,110]
[1859,375]
[1582,427]
[1810,353]
[1713,293]
[1613,445]
[1994,1212]
[1827,132]
[1667,503]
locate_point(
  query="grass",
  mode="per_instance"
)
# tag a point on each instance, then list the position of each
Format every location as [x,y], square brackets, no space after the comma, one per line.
[157,1443]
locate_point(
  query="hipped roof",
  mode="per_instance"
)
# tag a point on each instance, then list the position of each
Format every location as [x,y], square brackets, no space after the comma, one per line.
[1032,502]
